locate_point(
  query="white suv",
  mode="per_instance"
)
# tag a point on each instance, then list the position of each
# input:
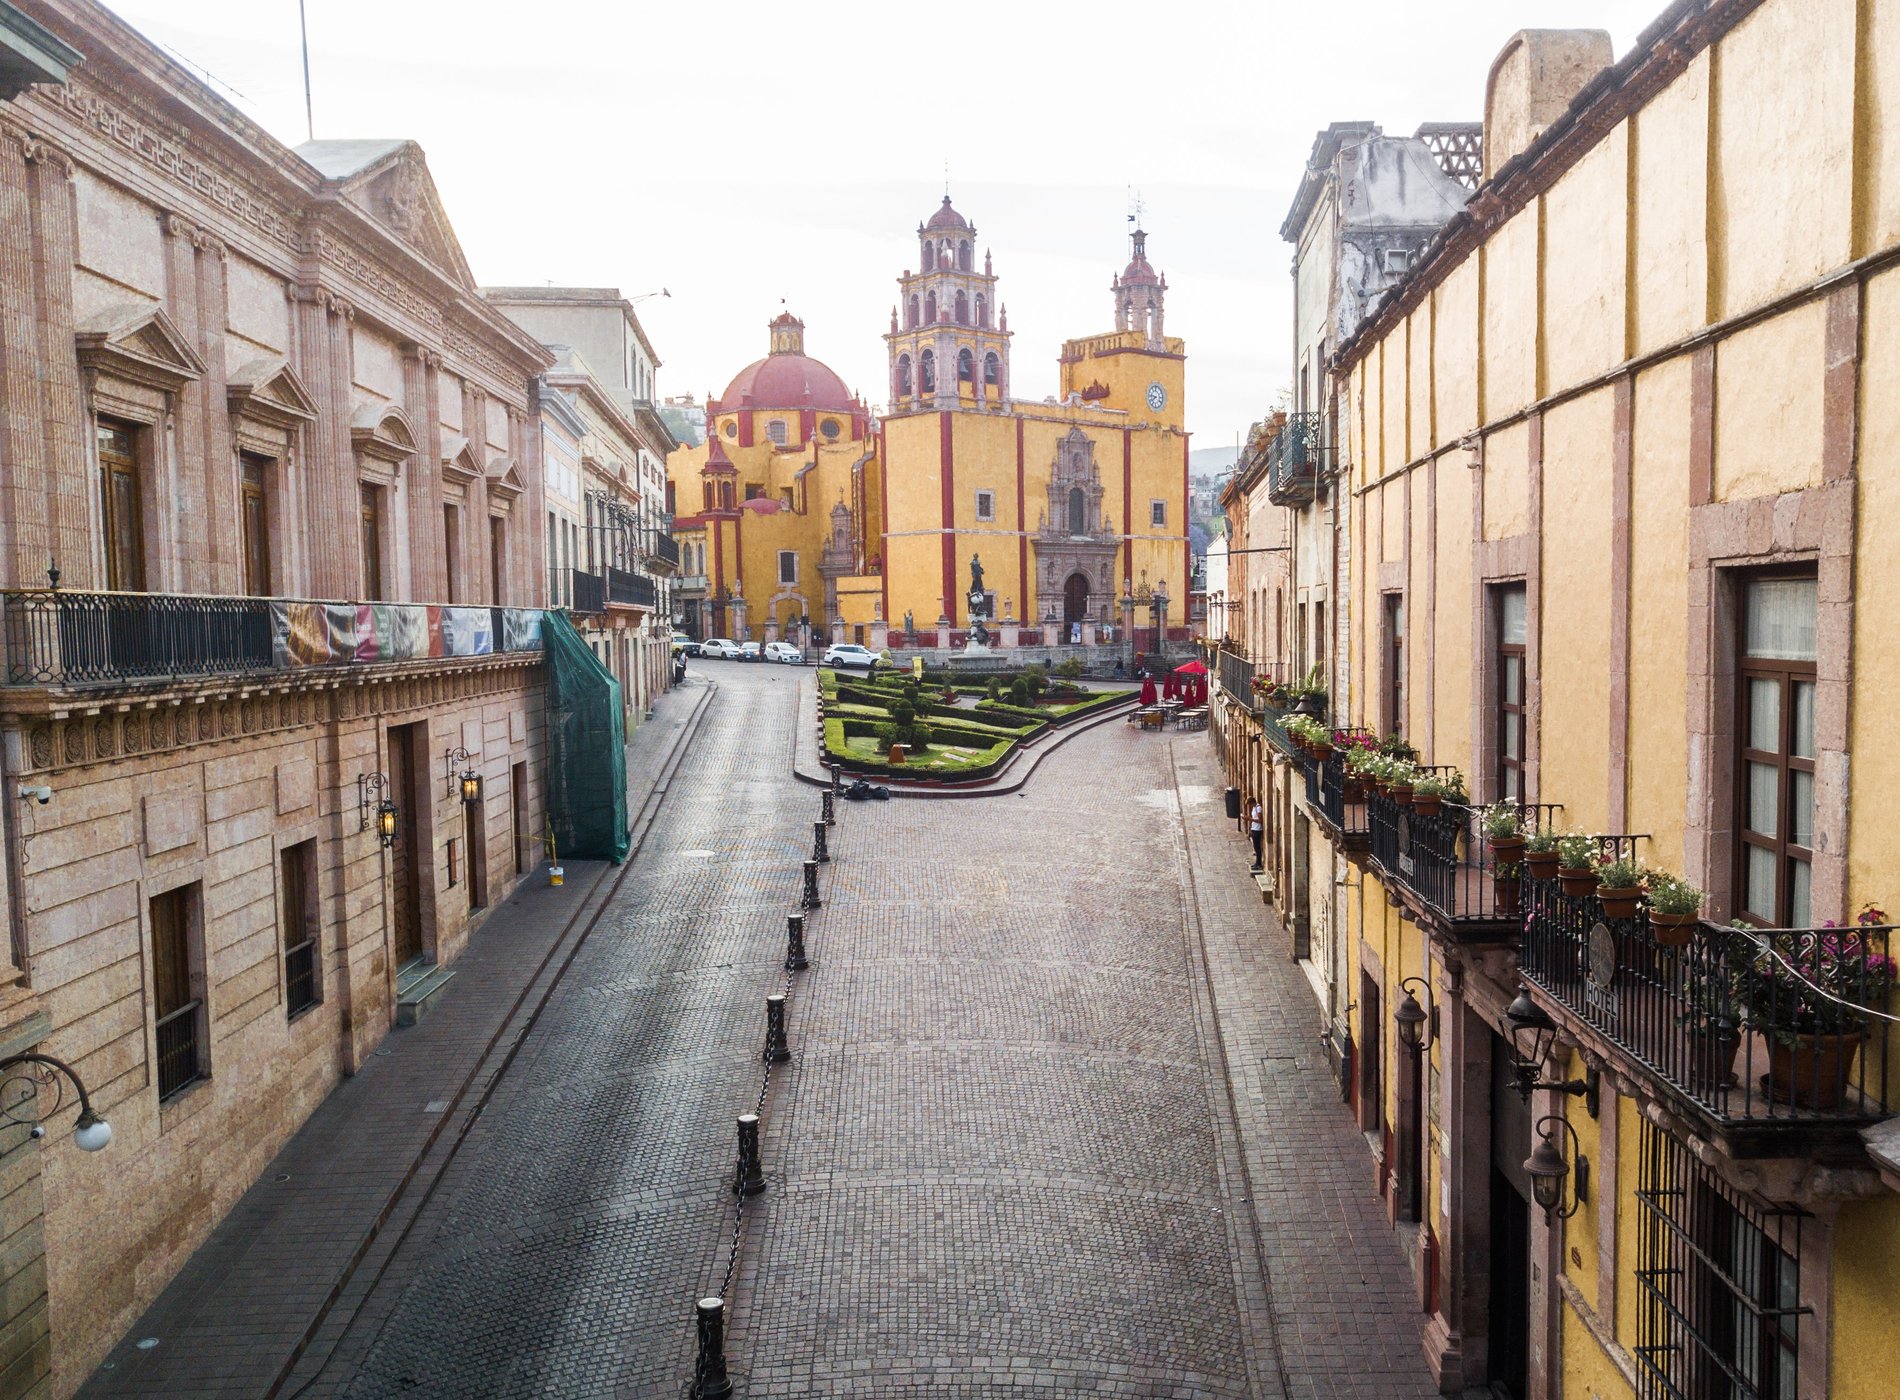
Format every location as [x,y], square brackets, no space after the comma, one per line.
[850,654]
[721,647]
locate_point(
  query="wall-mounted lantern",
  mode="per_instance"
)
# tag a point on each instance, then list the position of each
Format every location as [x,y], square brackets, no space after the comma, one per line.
[1548,1168]
[468,778]
[373,804]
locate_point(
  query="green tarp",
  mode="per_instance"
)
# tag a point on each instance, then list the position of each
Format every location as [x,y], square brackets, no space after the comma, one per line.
[587,749]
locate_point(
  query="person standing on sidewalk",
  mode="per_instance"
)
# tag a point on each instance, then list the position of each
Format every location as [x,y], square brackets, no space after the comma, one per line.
[1255,829]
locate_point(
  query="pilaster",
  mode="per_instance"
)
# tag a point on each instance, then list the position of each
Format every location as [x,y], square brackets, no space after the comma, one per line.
[423,474]
[66,532]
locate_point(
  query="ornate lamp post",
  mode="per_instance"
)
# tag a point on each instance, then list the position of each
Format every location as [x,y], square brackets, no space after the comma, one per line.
[21,1088]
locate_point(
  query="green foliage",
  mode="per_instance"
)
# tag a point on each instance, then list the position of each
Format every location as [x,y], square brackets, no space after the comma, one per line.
[1620,874]
[1541,843]
[1070,668]
[1502,821]
[1019,692]
[1576,851]
[994,690]
[1037,677]
[1670,894]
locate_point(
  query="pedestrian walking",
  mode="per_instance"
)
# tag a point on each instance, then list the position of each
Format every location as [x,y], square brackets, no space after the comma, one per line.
[1256,829]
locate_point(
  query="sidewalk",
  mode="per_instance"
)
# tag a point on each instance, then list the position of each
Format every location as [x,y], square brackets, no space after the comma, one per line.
[1343,1303]
[277,1281]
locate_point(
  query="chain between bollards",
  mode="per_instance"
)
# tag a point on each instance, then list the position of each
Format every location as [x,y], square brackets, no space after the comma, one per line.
[778,1049]
[810,897]
[748,1177]
[819,852]
[795,959]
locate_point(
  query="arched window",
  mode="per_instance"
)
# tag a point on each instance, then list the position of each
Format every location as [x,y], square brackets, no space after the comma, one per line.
[1078,511]
[966,366]
[903,374]
[910,313]
[963,254]
[708,493]
[944,254]
[930,309]
[963,309]
[927,372]
[775,430]
[725,494]
[990,369]
[982,310]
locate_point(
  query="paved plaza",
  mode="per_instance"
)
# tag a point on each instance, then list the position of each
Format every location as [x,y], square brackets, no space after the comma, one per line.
[1056,1123]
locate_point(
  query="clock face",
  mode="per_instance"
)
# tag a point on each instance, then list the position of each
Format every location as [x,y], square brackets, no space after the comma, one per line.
[1157,397]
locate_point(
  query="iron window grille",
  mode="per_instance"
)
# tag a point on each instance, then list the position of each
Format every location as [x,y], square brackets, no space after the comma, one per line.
[1719,1307]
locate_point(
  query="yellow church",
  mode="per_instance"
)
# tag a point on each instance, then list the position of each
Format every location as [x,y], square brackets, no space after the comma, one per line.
[959,512]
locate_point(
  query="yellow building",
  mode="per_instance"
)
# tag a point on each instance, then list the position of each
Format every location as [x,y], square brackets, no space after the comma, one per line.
[1614,471]
[801,506]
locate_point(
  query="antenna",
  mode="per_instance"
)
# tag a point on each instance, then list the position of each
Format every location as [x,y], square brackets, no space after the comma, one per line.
[946,179]
[303,26]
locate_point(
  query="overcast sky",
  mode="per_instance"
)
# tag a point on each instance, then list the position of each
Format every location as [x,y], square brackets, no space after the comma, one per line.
[743,153]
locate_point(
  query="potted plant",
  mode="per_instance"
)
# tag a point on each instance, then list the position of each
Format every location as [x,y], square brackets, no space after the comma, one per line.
[1713,1019]
[1619,887]
[1400,783]
[1507,887]
[1675,907]
[1503,831]
[1809,991]
[1540,854]
[1428,794]
[1360,764]
[1576,864]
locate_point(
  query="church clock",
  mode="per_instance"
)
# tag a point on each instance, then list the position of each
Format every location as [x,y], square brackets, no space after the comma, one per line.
[1157,396]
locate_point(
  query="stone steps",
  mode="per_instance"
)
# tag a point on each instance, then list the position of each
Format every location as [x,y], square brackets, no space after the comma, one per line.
[419,985]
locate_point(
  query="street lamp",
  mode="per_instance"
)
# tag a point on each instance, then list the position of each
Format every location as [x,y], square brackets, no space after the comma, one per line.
[1532,1035]
[1414,1021]
[90,1133]
[1548,1168]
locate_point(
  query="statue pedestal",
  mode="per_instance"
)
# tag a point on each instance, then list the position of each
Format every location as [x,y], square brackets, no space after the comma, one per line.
[943,632]
[975,648]
[1088,634]
[1011,633]
[880,636]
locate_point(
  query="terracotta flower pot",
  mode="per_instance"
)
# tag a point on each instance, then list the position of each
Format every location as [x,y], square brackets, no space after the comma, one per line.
[1576,883]
[1505,849]
[1426,804]
[1673,930]
[1355,789]
[1813,1072]
[1322,751]
[1620,903]
[1712,1051]
[1540,865]
[1506,895]
[1402,794]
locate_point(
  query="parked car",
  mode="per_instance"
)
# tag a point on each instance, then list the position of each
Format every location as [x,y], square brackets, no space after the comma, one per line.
[783,651]
[748,651]
[850,654]
[723,647]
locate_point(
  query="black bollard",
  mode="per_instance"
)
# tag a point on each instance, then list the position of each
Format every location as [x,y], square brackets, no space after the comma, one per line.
[749,1178]
[811,885]
[837,779]
[795,959]
[777,1050]
[710,1381]
[828,808]
[818,851]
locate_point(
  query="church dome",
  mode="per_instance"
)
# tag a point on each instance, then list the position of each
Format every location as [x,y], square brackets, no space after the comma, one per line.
[787,378]
[947,217]
[1140,272]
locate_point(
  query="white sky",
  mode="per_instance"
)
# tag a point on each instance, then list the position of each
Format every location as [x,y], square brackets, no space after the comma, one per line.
[741,152]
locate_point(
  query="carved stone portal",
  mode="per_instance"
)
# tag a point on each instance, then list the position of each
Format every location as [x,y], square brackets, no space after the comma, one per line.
[1075,545]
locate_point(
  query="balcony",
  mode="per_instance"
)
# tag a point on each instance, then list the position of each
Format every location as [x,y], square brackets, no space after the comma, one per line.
[625,590]
[590,592]
[72,639]
[1772,1038]
[1440,869]
[1341,808]
[662,553]
[1293,467]
[1236,678]
[690,586]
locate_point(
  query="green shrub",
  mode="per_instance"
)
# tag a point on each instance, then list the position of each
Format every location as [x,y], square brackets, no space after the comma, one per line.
[1070,668]
[1019,692]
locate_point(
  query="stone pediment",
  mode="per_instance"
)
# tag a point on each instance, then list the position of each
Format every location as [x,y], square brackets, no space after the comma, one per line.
[269,391]
[390,181]
[139,344]
[383,432]
[504,478]
[459,462]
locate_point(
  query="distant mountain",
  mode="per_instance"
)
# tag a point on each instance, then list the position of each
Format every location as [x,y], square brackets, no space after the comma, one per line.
[1211,461]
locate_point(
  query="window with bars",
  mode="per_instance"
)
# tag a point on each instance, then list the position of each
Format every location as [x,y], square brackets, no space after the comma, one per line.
[1719,1284]
[302,987]
[176,978]
[986,505]
[776,431]
[788,566]
[1512,631]
[1774,830]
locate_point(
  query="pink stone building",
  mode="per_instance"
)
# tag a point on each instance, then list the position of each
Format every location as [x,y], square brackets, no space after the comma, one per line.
[233,374]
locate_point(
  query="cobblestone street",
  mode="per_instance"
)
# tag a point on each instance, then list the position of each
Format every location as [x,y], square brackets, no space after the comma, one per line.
[1012,1154]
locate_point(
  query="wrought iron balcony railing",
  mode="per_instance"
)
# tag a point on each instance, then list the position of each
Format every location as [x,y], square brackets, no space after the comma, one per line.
[1441,869]
[629,590]
[663,551]
[60,637]
[1342,799]
[590,592]
[1294,466]
[1236,678]
[1760,1032]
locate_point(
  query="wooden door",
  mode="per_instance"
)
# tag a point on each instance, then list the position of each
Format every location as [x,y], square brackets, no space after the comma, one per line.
[119,502]
[372,520]
[405,912]
[254,522]
[498,560]
[518,795]
[476,814]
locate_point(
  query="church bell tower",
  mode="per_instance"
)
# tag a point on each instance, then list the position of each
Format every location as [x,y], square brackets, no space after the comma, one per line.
[949,340]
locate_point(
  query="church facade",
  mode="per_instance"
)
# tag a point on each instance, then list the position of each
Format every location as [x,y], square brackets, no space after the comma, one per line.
[807,517]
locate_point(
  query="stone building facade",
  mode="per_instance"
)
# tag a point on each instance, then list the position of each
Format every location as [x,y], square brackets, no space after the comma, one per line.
[234,377]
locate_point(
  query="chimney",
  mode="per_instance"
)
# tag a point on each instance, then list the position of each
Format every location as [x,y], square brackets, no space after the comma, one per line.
[1533,82]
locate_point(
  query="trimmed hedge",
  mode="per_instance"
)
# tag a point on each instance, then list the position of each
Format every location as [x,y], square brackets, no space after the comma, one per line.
[837,731]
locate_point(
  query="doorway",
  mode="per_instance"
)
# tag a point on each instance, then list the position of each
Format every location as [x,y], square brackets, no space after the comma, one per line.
[518,795]
[405,888]
[475,815]
[1508,1347]
[1075,599]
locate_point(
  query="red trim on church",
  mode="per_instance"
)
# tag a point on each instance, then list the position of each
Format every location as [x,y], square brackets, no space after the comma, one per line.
[1128,506]
[946,450]
[1022,531]
[884,528]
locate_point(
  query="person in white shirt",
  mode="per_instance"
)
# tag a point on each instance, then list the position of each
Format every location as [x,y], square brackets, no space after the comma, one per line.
[1255,829]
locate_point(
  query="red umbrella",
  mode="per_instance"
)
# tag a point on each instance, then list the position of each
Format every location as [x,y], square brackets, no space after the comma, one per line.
[1192,668]
[1147,690]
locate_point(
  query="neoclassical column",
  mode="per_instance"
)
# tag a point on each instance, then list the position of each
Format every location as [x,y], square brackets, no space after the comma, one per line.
[62,515]
[420,366]
[25,533]
[327,471]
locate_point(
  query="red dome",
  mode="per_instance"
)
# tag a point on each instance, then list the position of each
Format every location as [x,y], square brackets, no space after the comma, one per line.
[786,381]
[1140,272]
[947,217]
